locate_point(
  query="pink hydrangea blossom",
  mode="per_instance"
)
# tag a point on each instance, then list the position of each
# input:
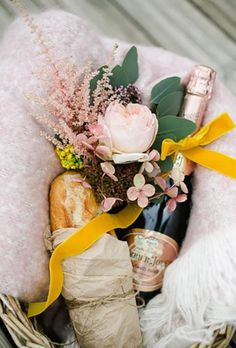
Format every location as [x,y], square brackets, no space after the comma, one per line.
[150,165]
[109,170]
[140,191]
[172,203]
[108,203]
[172,192]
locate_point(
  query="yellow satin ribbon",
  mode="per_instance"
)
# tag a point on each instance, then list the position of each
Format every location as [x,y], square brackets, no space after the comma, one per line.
[76,244]
[191,147]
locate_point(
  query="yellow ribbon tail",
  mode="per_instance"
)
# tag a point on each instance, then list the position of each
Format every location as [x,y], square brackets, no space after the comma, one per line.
[76,244]
[213,160]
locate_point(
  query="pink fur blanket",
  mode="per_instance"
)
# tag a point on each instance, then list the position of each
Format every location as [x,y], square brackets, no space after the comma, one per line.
[28,163]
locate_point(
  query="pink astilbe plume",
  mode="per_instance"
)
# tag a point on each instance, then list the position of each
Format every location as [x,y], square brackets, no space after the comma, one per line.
[67,101]
[68,108]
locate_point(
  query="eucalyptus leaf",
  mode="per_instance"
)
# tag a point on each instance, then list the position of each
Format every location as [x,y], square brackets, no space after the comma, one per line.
[164,87]
[118,77]
[173,127]
[170,104]
[130,65]
[166,165]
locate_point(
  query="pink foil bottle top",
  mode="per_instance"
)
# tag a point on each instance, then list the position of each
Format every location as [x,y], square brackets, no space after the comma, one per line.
[199,91]
[201,81]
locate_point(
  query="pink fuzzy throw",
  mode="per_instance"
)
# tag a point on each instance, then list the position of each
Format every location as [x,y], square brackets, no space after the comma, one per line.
[28,162]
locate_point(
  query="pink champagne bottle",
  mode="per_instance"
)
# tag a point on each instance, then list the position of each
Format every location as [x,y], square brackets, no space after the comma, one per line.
[156,236]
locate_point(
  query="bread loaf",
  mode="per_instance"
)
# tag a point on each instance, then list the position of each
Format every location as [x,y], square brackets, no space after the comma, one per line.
[71,204]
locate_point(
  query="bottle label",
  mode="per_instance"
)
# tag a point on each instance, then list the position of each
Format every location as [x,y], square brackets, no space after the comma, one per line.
[150,252]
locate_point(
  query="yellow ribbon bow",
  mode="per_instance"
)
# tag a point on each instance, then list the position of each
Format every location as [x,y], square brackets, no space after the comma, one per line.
[191,147]
[81,240]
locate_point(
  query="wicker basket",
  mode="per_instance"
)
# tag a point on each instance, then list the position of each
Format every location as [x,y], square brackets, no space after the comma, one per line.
[26,334]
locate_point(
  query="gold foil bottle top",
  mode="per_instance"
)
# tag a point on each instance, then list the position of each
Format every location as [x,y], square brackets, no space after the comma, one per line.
[201,81]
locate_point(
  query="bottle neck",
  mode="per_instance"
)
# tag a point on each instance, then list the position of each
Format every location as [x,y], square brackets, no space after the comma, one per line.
[194,107]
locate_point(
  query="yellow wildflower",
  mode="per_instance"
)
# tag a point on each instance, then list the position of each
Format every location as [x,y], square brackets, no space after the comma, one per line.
[68,158]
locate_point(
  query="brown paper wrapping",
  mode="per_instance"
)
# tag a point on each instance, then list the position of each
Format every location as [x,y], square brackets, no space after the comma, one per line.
[98,289]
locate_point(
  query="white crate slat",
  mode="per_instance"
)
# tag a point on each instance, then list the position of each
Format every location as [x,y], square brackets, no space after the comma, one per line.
[182,28]
[199,29]
[104,17]
[221,12]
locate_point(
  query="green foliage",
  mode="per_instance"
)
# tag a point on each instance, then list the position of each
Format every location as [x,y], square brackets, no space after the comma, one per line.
[166,100]
[122,75]
[118,77]
[163,88]
[167,96]
[128,72]
[170,104]
[166,165]
[173,127]
[130,65]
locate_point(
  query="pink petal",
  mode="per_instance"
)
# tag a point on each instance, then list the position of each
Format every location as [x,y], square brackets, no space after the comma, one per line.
[132,193]
[86,185]
[76,180]
[113,177]
[142,200]
[171,205]
[95,129]
[86,144]
[142,168]
[92,140]
[81,137]
[108,168]
[108,203]
[156,170]
[181,198]
[139,180]
[160,182]
[155,165]
[105,136]
[144,157]
[148,167]
[183,187]
[82,182]
[154,155]
[148,190]
[121,158]
[104,152]
[172,192]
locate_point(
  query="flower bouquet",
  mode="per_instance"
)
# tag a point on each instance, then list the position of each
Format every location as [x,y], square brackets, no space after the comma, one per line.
[109,143]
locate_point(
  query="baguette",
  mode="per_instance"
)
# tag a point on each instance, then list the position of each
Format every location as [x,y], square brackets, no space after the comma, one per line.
[71,205]
[97,284]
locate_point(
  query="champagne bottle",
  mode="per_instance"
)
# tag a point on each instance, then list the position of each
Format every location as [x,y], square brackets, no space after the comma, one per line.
[156,236]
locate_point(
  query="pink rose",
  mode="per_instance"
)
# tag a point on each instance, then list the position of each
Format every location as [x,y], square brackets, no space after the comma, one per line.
[129,131]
